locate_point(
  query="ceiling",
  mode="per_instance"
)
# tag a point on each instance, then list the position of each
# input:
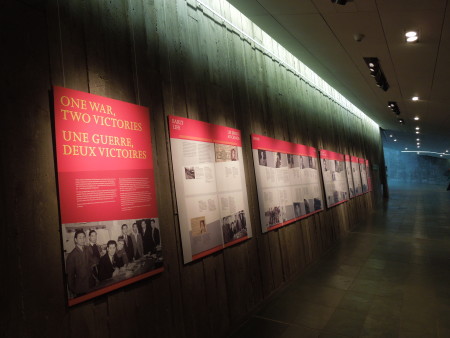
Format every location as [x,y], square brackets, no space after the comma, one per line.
[322,35]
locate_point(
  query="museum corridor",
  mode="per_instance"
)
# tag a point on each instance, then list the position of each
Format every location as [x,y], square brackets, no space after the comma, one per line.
[390,277]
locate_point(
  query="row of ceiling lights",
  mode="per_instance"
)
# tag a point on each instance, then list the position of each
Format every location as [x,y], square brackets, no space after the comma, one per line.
[380,79]
[410,36]
[418,145]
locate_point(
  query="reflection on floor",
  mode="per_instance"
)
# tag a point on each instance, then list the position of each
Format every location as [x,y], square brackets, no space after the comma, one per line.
[390,277]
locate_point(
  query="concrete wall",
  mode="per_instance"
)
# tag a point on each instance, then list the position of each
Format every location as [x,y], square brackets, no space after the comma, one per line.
[176,58]
[413,168]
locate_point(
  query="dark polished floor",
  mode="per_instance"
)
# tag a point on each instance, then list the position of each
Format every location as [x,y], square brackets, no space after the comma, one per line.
[390,277]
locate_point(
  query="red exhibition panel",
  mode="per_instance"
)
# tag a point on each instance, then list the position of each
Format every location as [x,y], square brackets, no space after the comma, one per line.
[334,177]
[106,193]
[210,186]
[287,179]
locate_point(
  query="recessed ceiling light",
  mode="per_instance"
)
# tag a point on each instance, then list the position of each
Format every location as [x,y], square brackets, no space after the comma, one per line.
[406,148]
[440,155]
[411,36]
[417,132]
[417,128]
[415,98]
[395,140]
[416,118]
[446,151]
[418,139]
[390,135]
[418,143]
[418,146]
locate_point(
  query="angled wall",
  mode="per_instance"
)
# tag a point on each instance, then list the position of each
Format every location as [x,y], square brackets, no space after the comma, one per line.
[176,57]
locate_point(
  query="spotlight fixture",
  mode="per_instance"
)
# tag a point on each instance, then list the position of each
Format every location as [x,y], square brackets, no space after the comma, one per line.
[375,71]
[416,118]
[417,128]
[415,98]
[395,140]
[417,132]
[446,151]
[340,2]
[417,139]
[401,121]
[394,107]
[411,36]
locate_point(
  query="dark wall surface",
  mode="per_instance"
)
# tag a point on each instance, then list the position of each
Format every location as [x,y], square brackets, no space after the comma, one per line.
[413,168]
[176,58]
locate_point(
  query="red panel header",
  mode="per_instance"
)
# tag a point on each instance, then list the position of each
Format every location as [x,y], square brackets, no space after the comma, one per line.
[361,161]
[104,158]
[97,132]
[274,145]
[184,128]
[329,155]
[354,159]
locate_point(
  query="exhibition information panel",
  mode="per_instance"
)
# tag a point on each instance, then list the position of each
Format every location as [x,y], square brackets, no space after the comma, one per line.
[348,169]
[363,171]
[287,179]
[107,193]
[356,174]
[210,186]
[334,177]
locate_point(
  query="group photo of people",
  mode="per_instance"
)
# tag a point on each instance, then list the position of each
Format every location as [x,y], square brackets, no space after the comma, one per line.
[234,226]
[98,254]
[273,216]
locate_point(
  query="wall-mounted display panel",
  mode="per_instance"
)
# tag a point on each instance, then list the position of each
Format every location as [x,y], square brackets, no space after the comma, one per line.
[356,174]
[348,170]
[287,179]
[363,171]
[334,177]
[107,199]
[210,186]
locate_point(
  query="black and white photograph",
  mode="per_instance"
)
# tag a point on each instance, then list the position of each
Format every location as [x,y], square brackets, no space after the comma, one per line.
[189,173]
[234,227]
[262,157]
[98,255]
